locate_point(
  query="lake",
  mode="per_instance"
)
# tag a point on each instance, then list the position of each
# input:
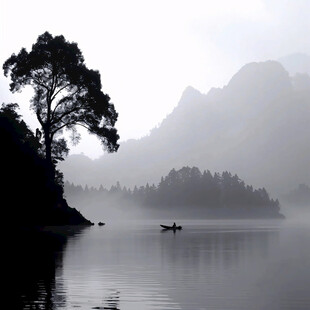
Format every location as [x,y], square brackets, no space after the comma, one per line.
[219,264]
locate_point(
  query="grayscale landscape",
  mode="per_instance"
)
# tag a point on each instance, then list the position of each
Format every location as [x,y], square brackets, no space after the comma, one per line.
[155,155]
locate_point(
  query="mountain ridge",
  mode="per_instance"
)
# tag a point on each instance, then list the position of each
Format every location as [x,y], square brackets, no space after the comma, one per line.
[225,129]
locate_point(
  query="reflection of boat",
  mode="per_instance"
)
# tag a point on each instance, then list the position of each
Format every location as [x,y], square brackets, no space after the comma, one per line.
[171,227]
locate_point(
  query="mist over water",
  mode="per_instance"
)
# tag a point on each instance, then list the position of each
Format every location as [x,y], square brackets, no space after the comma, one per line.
[191,187]
[256,126]
[224,264]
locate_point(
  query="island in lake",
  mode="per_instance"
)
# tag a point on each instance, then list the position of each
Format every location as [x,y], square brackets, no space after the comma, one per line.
[183,193]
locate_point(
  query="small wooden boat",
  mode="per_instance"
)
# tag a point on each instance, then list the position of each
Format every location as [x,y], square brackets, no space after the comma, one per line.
[171,227]
[101,224]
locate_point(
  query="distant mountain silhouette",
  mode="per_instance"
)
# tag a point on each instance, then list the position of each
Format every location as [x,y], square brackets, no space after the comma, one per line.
[257,126]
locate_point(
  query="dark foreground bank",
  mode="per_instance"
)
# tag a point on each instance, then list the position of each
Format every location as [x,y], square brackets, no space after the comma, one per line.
[31,191]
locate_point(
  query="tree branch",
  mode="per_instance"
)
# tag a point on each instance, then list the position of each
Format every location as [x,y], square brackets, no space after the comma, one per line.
[40,83]
[55,121]
[62,126]
[61,89]
[39,118]
[61,101]
[82,125]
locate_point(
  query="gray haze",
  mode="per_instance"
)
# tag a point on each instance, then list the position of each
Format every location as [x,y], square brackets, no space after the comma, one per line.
[256,126]
[147,52]
[225,265]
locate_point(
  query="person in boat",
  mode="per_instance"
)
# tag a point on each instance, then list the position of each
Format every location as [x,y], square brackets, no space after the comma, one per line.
[174,225]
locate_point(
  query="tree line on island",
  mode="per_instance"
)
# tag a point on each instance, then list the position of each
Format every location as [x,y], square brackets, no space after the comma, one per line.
[257,125]
[186,192]
[67,94]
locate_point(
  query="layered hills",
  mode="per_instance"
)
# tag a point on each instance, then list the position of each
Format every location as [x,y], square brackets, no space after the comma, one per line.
[257,126]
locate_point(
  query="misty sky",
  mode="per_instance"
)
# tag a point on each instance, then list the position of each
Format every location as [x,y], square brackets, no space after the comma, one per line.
[147,52]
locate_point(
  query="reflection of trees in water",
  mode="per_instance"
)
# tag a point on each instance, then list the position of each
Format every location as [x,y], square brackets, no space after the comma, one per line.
[33,261]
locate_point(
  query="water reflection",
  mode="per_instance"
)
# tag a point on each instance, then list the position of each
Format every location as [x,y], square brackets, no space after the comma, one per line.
[216,268]
[226,266]
[217,247]
[192,268]
[35,257]
[111,302]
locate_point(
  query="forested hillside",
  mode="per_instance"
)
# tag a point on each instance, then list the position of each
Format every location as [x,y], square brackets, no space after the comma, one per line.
[182,193]
[256,126]
[29,197]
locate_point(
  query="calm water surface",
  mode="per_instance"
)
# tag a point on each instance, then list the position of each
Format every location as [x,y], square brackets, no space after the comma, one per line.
[208,265]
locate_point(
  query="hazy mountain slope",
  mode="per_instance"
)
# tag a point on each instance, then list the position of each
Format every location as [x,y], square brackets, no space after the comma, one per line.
[298,66]
[257,126]
[275,150]
[296,63]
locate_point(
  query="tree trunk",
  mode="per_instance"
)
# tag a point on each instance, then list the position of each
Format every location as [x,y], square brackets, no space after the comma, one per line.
[48,155]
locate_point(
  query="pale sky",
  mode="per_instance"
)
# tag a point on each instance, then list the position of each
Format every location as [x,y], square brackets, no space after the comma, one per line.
[148,52]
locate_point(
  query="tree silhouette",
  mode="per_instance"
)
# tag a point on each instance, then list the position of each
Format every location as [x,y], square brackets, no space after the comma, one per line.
[31,196]
[66,94]
[188,192]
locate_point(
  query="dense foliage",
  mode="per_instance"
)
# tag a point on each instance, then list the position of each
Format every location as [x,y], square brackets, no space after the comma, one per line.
[66,93]
[188,191]
[29,195]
